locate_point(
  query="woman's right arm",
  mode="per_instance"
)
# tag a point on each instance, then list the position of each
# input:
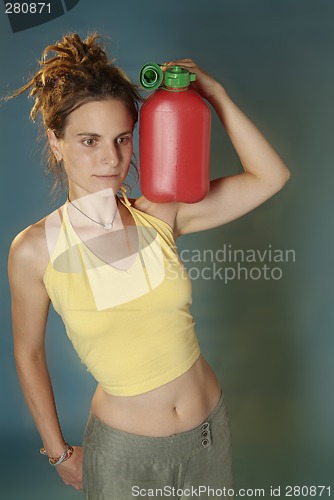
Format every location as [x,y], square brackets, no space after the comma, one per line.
[30,305]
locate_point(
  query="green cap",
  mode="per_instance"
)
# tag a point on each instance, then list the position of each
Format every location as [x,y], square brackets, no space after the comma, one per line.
[151,76]
[177,77]
[174,77]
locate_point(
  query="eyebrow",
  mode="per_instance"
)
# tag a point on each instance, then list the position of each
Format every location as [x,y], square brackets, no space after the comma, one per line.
[94,134]
[91,134]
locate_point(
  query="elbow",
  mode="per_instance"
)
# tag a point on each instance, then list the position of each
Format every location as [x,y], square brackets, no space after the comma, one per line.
[24,358]
[273,183]
[286,175]
[282,178]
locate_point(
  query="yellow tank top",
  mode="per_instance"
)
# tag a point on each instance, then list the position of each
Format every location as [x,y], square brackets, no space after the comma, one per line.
[131,328]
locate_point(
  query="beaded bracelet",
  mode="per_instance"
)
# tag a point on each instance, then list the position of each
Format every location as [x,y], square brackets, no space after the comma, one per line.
[65,456]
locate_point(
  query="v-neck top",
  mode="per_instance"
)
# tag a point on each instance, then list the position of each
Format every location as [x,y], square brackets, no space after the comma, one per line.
[132,328]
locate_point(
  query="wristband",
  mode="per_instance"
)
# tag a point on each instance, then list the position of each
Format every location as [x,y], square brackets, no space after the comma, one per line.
[65,456]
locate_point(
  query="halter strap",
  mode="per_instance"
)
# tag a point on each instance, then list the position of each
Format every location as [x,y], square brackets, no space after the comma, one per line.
[123,191]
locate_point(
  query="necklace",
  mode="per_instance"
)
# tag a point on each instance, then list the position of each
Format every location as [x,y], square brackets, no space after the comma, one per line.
[108,225]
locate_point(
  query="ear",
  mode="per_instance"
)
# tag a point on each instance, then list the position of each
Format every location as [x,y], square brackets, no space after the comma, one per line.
[54,144]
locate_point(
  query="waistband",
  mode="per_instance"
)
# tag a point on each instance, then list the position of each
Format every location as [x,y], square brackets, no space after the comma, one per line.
[177,446]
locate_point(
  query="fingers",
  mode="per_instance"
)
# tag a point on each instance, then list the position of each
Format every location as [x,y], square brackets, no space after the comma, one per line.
[186,63]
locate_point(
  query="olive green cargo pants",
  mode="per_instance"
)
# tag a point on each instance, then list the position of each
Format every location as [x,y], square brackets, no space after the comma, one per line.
[193,464]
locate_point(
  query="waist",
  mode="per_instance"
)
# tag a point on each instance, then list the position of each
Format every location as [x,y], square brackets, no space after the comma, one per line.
[172,450]
[178,406]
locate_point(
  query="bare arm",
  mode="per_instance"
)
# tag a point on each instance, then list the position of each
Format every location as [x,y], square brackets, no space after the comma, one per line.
[30,305]
[233,196]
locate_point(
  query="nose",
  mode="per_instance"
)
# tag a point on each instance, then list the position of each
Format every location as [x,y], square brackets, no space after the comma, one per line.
[110,156]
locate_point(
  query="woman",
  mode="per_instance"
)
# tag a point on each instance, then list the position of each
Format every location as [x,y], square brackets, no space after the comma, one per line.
[110,267]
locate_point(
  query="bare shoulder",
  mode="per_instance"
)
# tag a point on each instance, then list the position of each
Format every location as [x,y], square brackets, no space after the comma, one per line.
[29,250]
[164,211]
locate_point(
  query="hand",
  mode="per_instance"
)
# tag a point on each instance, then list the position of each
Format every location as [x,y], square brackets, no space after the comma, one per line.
[204,84]
[71,470]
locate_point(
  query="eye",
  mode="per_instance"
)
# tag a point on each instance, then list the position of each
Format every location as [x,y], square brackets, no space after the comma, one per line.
[89,142]
[123,140]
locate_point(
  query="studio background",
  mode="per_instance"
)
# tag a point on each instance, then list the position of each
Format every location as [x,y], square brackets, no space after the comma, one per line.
[270,341]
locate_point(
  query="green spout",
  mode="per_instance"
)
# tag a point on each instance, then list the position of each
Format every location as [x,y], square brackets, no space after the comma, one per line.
[174,77]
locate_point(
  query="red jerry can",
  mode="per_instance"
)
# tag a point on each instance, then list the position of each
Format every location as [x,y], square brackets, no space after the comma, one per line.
[174,137]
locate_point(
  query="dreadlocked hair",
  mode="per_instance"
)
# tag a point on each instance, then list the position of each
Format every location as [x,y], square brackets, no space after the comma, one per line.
[73,72]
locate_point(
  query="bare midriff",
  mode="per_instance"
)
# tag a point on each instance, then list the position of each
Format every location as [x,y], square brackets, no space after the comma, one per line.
[177,406]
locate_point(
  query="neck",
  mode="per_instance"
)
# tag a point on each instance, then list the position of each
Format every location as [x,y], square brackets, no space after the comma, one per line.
[100,206]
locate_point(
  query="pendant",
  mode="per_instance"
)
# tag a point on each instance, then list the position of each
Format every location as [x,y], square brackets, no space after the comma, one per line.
[108,225]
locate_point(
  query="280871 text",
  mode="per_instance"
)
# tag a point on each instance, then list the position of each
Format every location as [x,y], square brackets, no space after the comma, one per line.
[27,8]
[301,491]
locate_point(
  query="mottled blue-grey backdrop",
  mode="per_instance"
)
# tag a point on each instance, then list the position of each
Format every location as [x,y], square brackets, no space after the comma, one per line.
[269,340]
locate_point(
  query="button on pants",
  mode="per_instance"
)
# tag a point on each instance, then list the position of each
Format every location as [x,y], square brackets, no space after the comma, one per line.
[193,464]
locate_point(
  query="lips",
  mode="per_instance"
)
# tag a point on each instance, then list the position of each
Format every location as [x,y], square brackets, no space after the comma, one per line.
[107,176]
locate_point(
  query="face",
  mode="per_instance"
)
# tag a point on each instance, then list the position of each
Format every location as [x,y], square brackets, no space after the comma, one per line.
[96,148]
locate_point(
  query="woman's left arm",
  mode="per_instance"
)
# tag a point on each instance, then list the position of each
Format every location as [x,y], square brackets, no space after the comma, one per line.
[232,196]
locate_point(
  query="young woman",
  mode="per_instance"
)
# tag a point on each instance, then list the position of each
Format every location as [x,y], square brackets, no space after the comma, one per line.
[110,267]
